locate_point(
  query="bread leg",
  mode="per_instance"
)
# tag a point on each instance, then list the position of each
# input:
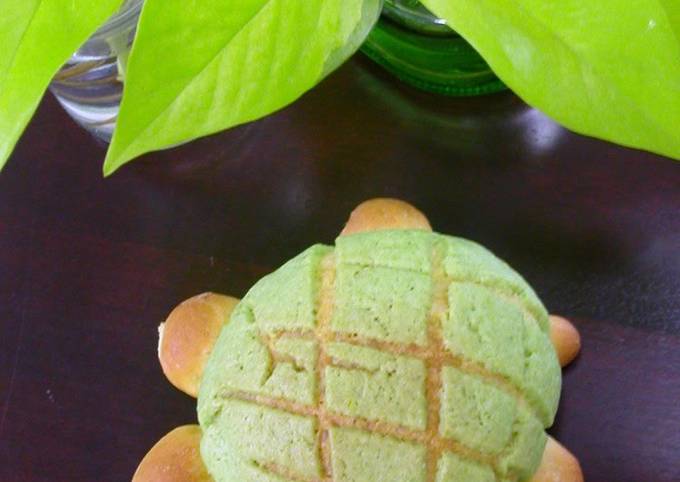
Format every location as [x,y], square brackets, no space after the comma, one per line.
[188,335]
[175,458]
[558,465]
[565,338]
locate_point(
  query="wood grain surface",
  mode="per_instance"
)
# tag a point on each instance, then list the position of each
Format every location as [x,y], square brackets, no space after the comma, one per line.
[89,267]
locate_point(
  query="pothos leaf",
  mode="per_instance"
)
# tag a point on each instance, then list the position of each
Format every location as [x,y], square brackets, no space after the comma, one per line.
[36,38]
[198,70]
[606,68]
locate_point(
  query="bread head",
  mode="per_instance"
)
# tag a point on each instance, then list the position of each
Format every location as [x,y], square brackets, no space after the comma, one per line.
[384,213]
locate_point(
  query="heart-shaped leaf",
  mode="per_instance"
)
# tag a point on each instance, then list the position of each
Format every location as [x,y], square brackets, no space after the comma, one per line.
[606,68]
[198,69]
[36,38]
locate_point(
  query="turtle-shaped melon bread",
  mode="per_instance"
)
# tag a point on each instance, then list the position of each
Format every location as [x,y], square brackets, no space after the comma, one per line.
[399,354]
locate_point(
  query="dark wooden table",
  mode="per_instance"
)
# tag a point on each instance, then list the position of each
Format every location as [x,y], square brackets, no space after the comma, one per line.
[89,267]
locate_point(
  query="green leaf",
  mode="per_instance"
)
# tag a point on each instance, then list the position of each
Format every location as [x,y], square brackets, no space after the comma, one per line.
[195,71]
[672,8]
[36,39]
[606,68]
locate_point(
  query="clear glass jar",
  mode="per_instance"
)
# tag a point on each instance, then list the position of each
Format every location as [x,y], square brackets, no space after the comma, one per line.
[422,50]
[90,85]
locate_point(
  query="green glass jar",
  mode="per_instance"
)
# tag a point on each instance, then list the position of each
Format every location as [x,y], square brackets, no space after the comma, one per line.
[422,50]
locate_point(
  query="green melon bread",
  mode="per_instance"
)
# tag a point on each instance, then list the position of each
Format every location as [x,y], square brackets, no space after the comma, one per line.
[398,355]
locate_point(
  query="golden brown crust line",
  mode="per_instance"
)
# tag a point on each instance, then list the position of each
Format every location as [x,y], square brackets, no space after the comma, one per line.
[175,458]
[324,312]
[435,364]
[188,335]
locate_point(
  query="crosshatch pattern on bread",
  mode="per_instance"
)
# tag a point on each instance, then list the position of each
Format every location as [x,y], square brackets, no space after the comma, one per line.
[397,355]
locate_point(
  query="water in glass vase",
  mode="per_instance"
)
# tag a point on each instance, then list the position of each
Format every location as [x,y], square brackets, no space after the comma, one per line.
[90,85]
[422,50]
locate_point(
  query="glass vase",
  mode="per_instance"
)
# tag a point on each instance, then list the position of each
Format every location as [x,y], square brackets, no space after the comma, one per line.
[90,85]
